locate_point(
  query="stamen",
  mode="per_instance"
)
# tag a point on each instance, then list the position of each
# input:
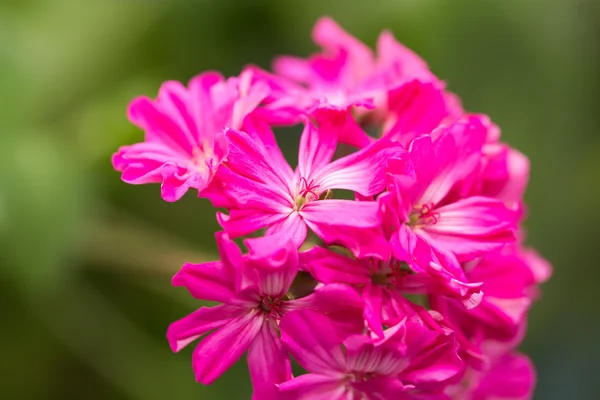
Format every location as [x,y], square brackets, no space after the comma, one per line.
[272,307]
[423,215]
[306,188]
[399,271]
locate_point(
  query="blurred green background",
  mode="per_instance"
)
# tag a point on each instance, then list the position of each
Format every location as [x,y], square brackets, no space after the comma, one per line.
[86,260]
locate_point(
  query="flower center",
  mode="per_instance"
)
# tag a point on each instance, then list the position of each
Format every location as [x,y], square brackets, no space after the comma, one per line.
[390,273]
[272,307]
[202,159]
[308,191]
[358,376]
[423,215]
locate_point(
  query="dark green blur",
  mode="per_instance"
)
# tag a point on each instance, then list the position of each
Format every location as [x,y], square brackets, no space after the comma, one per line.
[86,260]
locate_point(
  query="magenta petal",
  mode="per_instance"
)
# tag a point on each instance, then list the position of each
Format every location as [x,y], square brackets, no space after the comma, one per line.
[176,182]
[249,158]
[349,131]
[512,377]
[209,281]
[315,387]
[186,330]
[159,125]
[330,267]
[398,63]
[214,281]
[449,159]
[474,216]
[415,108]
[291,228]
[316,148]
[241,222]
[363,172]
[365,356]
[359,214]
[373,298]
[341,303]
[382,388]
[268,363]
[202,106]
[271,266]
[437,364]
[334,39]
[472,226]
[311,339]
[219,350]
[181,149]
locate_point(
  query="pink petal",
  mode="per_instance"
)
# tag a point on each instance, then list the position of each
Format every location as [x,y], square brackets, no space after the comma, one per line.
[174,100]
[208,281]
[202,105]
[158,125]
[311,339]
[251,96]
[330,267]
[363,172]
[349,131]
[436,364]
[382,388]
[289,229]
[176,182]
[359,214]
[352,224]
[213,281]
[186,330]
[415,108]
[362,242]
[248,193]
[316,149]
[294,68]
[340,303]
[219,350]
[373,298]
[260,129]
[398,63]
[513,377]
[328,34]
[450,158]
[472,226]
[315,387]
[241,222]
[272,266]
[249,157]
[268,363]
[365,356]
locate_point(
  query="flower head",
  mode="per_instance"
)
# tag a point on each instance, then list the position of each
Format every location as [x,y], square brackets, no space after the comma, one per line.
[415,285]
[184,140]
[260,190]
[254,292]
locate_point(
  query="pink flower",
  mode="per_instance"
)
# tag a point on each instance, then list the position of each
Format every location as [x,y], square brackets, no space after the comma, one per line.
[184,140]
[260,190]
[512,377]
[506,281]
[503,172]
[416,108]
[419,195]
[384,283]
[510,277]
[359,366]
[253,290]
[346,73]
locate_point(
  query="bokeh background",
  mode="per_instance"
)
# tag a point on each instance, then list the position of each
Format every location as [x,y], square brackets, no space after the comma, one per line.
[86,260]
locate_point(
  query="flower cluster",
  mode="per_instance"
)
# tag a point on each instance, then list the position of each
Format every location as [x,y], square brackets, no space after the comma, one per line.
[388,264]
